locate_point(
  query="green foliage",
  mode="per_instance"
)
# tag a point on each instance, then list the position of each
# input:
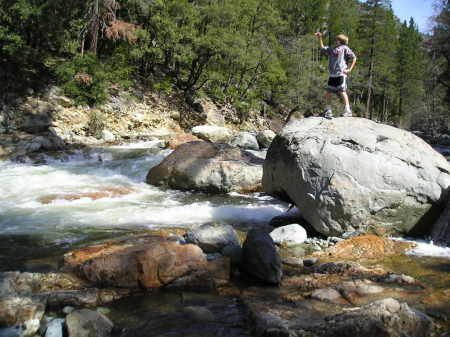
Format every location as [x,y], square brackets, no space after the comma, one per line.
[247,53]
[84,78]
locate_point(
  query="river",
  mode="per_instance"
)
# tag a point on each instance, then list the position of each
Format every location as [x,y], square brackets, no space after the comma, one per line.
[48,208]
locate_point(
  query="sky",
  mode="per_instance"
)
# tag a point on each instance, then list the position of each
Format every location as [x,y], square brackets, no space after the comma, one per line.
[420,10]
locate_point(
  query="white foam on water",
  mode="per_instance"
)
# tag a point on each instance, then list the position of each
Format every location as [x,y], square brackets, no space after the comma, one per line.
[51,198]
[427,248]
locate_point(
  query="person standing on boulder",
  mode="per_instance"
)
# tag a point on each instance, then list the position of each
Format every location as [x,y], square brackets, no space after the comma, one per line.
[338,69]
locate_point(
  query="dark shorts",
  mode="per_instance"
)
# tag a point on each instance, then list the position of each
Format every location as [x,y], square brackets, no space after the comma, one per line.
[337,84]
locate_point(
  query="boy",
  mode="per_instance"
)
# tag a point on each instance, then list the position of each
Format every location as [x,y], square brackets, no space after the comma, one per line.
[337,67]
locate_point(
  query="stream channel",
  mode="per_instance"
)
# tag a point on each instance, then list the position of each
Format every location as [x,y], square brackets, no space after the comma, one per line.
[47,209]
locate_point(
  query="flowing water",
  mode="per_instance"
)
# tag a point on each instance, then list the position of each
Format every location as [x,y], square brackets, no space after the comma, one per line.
[86,196]
[73,199]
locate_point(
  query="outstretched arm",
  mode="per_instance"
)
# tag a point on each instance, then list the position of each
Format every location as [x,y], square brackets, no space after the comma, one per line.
[319,35]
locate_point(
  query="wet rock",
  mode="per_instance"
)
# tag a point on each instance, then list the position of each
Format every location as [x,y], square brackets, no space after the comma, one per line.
[90,297]
[213,238]
[68,309]
[106,192]
[245,140]
[265,138]
[22,311]
[366,247]
[260,258]
[55,328]
[289,235]
[214,134]
[149,261]
[326,168]
[199,314]
[208,167]
[293,261]
[309,262]
[24,284]
[88,323]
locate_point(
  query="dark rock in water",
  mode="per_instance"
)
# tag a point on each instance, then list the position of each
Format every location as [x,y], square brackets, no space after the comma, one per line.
[441,229]
[208,167]
[88,323]
[260,258]
[213,238]
[353,175]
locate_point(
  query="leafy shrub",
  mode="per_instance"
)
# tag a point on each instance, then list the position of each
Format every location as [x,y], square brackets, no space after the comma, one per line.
[96,124]
[84,79]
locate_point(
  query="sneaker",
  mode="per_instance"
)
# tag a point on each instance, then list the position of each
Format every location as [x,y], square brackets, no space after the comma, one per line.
[327,114]
[347,114]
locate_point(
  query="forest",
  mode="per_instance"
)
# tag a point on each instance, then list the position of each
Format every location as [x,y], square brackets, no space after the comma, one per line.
[249,54]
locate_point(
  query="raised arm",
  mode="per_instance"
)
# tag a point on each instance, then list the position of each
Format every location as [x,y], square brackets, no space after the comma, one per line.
[319,35]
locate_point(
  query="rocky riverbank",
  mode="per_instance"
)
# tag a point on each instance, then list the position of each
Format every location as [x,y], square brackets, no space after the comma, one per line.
[341,290]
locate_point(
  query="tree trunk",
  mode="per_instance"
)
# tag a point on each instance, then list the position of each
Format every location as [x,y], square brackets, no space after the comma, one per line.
[95,28]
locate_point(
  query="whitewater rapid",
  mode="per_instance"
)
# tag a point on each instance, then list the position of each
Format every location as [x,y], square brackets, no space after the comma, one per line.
[53,199]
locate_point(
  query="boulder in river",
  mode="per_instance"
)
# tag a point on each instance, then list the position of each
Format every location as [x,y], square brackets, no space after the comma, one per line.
[351,175]
[245,140]
[88,323]
[208,167]
[145,262]
[214,134]
[289,235]
[213,238]
[260,258]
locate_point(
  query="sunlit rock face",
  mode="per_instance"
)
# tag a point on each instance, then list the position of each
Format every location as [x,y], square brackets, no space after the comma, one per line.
[352,174]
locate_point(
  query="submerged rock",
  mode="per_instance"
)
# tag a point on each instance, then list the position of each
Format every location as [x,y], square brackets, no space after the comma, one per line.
[208,167]
[260,258]
[88,323]
[348,175]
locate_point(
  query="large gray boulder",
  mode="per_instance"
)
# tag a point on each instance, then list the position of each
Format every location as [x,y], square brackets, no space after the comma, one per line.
[260,258]
[352,174]
[208,167]
[212,238]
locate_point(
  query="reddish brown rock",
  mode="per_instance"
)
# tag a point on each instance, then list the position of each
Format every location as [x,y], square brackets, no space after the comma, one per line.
[368,246]
[147,262]
[107,192]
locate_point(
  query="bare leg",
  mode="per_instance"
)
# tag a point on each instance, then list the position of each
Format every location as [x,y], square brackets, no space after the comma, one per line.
[328,98]
[345,97]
